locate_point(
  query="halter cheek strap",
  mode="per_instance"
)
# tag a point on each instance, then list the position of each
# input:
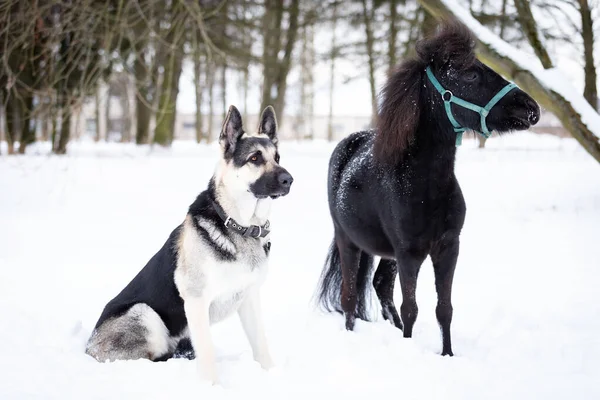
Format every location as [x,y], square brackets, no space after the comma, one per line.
[449,98]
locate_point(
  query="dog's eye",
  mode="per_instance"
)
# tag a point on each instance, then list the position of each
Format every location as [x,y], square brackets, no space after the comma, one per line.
[256,158]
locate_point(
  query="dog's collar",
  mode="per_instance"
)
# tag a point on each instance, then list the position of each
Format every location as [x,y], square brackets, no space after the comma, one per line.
[254,231]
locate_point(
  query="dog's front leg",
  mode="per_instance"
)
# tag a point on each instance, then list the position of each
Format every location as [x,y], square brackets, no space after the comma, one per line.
[198,317]
[251,318]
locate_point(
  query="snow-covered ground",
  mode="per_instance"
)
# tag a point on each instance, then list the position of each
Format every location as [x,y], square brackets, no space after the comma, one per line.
[74,230]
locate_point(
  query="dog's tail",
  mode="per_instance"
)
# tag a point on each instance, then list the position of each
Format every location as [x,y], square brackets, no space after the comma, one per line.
[329,290]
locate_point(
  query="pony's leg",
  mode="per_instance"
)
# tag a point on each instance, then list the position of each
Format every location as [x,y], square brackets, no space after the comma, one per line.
[383,281]
[349,257]
[444,256]
[409,264]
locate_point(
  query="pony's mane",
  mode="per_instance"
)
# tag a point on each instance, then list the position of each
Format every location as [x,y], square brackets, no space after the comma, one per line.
[401,106]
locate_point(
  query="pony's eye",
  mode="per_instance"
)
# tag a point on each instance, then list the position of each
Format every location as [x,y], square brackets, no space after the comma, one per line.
[470,76]
[277,158]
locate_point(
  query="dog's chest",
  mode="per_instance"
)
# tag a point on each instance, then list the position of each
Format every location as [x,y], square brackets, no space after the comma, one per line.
[248,268]
[203,272]
[228,283]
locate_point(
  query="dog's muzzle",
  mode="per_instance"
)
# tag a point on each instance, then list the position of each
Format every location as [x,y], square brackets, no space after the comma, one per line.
[285,180]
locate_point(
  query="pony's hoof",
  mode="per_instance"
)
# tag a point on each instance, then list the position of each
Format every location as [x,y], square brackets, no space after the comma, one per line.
[390,314]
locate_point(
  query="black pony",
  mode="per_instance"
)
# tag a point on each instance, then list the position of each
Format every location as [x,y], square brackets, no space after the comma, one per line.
[393,192]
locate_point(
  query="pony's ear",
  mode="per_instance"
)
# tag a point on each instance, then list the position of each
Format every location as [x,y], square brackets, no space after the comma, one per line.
[268,124]
[455,45]
[231,131]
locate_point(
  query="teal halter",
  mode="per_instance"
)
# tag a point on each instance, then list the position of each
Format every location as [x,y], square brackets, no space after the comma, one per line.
[449,98]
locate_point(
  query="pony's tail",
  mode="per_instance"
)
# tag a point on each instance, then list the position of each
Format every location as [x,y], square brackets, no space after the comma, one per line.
[329,290]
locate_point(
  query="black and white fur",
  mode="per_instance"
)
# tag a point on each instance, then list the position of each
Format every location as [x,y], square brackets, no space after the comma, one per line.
[205,271]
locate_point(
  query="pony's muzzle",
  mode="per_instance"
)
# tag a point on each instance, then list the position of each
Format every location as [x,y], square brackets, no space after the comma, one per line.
[533,116]
[527,110]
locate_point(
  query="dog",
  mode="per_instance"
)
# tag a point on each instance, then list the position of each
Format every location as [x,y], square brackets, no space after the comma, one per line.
[211,266]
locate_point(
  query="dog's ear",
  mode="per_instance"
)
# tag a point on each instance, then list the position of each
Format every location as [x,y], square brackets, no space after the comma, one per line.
[231,131]
[268,124]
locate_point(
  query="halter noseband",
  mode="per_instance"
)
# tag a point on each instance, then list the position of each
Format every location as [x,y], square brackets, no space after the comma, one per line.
[449,98]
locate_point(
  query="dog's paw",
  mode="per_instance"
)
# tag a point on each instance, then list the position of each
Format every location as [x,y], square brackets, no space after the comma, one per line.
[266,363]
[207,375]
[275,371]
[207,380]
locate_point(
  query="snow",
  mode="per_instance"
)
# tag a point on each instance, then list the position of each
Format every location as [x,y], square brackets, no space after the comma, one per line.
[552,78]
[76,229]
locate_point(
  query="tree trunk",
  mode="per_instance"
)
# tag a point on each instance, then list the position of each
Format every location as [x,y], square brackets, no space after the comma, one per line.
[198,87]
[271,46]
[333,56]
[76,120]
[224,88]
[210,82]
[503,17]
[12,128]
[106,114]
[368,15]
[54,126]
[245,67]
[307,60]
[167,101]
[46,122]
[143,114]
[2,119]
[284,67]
[413,33]
[143,103]
[275,70]
[531,31]
[392,36]
[428,25]
[98,113]
[27,127]
[65,131]
[590,92]
[126,110]
[246,86]
[548,99]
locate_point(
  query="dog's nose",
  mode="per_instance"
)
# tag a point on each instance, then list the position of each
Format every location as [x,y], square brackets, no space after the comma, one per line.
[285,179]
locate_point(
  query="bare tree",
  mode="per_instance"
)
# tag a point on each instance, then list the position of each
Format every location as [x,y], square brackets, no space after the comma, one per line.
[307,60]
[2,117]
[199,93]
[210,83]
[224,105]
[332,57]
[101,102]
[393,35]
[276,67]
[368,14]
[532,32]
[590,92]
